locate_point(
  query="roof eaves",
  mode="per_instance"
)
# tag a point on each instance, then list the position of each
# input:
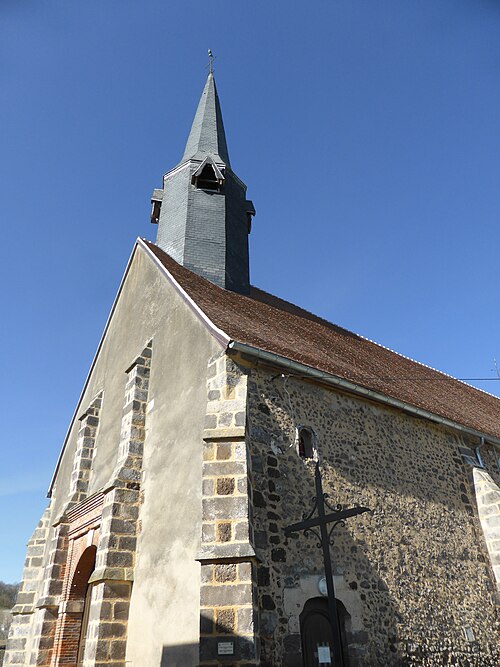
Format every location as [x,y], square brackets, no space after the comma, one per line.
[351,387]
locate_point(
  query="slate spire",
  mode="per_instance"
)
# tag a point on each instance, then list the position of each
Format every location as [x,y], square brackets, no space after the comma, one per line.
[207,134]
[202,212]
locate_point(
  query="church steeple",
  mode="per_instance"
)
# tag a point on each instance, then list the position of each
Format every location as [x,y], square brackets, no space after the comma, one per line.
[202,212]
[207,134]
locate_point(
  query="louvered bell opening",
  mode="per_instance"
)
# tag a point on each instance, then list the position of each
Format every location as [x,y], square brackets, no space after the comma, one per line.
[208,180]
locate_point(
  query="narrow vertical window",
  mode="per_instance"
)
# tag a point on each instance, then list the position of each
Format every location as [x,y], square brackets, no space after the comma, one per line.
[306,445]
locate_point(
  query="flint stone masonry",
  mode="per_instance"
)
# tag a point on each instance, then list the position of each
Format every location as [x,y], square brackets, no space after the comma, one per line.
[412,573]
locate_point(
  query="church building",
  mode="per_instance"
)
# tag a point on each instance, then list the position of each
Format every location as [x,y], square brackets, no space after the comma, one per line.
[209,413]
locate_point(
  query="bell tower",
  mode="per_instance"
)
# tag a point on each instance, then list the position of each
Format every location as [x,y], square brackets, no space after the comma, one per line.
[202,213]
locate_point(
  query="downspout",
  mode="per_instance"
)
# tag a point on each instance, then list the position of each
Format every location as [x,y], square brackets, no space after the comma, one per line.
[478,453]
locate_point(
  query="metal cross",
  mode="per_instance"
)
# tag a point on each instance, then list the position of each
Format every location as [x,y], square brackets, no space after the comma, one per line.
[325,540]
[211,59]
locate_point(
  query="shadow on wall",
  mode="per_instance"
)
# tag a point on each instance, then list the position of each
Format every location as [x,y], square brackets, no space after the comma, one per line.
[387,576]
[368,639]
[179,655]
[412,573]
[290,568]
[218,645]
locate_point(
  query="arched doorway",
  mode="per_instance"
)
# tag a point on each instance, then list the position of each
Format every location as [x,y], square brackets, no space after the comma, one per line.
[316,633]
[75,623]
[81,589]
[72,621]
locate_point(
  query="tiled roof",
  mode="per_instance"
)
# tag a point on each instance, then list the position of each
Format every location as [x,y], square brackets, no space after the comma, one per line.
[271,324]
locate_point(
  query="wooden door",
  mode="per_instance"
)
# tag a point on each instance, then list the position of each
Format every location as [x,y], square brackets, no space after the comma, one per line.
[316,634]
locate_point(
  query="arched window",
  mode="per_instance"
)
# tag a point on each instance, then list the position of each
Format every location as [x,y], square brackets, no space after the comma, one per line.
[306,443]
[316,633]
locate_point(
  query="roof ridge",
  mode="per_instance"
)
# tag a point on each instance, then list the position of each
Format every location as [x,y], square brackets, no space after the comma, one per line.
[374,342]
[421,363]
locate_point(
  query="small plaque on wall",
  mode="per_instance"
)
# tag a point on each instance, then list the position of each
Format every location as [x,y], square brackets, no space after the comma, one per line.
[324,657]
[225,648]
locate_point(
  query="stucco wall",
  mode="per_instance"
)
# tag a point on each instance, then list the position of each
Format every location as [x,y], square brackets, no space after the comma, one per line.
[165,599]
[413,573]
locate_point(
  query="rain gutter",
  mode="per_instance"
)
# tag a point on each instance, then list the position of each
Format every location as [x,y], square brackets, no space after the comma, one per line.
[335,381]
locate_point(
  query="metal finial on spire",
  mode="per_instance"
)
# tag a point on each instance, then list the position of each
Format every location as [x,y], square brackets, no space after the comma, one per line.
[211,59]
[207,131]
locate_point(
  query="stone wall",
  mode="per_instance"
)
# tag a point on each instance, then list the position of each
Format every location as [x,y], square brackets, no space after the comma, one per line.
[414,574]
[22,632]
[116,547]
[84,454]
[228,574]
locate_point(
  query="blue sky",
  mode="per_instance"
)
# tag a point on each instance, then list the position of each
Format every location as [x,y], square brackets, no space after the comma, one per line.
[368,134]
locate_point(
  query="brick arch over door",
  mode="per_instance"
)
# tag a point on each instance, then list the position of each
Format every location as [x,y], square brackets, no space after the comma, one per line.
[82,572]
[73,612]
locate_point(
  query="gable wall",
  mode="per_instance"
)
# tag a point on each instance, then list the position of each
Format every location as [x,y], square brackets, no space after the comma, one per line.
[413,573]
[162,611]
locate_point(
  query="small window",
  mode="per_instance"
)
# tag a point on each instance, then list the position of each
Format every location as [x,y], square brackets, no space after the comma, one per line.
[469,634]
[306,443]
[156,200]
[208,180]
